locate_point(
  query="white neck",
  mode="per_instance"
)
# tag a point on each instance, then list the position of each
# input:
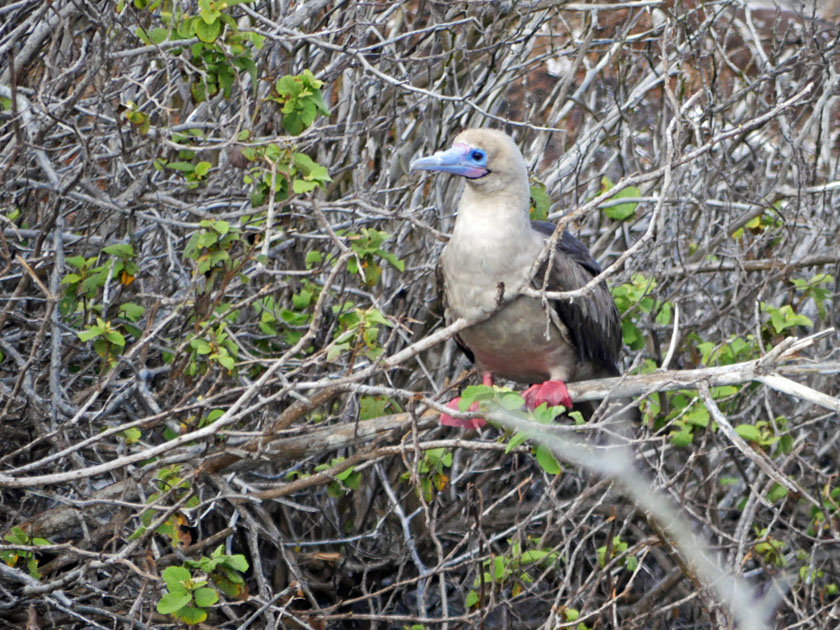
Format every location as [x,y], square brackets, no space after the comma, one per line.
[501,217]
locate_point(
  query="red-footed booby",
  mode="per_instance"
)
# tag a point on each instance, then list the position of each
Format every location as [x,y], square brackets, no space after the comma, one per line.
[489,257]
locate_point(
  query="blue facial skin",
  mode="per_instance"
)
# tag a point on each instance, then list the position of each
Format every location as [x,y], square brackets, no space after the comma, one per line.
[461,159]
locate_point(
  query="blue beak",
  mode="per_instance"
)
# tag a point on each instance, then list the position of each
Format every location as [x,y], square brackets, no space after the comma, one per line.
[459,160]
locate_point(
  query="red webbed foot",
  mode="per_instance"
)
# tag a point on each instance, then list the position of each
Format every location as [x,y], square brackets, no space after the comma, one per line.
[551,392]
[467,423]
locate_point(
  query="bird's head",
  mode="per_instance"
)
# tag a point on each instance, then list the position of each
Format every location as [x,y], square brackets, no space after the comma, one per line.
[488,158]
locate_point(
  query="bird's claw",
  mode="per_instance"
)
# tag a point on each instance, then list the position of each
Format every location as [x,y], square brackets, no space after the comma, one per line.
[552,393]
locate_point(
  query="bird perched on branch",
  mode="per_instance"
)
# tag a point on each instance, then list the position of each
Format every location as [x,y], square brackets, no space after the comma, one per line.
[487,261]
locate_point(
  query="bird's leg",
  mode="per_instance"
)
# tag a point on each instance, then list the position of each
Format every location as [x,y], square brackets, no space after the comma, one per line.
[469,423]
[551,392]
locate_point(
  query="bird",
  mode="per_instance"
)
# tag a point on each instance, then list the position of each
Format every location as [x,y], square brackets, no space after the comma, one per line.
[489,256]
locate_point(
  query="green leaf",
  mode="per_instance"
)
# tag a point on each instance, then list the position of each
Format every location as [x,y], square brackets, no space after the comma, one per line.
[475,393]
[214,415]
[392,260]
[440,456]
[663,317]
[471,599]
[71,278]
[309,112]
[208,12]
[535,555]
[778,321]
[632,335]
[518,438]
[222,227]
[304,163]
[247,64]
[254,38]
[158,35]
[171,602]
[777,493]
[541,202]
[547,461]
[17,537]
[207,32]
[318,100]
[286,86]
[698,416]
[313,173]
[115,337]
[748,432]
[32,567]
[186,167]
[131,311]
[372,273]
[622,211]
[90,333]
[353,481]
[313,257]
[577,416]
[301,186]
[344,474]
[142,35]
[137,533]
[373,316]
[229,21]
[192,616]
[237,562]
[336,350]
[800,320]
[308,79]
[132,435]
[293,124]
[201,346]
[499,568]
[681,439]
[373,406]
[784,318]
[205,597]
[121,250]
[601,555]
[175,577]
[546,415]
[302,299]
[202,168]
[723,391]
[77,261]
[199,93]
[207,239]
[511,401]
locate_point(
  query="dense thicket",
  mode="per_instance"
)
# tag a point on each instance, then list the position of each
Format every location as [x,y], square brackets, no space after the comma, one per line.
[215,265]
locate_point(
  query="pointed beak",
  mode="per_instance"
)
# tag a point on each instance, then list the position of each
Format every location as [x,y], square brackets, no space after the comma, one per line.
[455,160]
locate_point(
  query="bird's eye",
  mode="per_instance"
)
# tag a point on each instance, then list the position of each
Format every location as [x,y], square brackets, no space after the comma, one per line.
[477,155]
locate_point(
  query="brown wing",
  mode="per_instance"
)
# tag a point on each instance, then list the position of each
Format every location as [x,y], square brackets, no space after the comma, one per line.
[593,322]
